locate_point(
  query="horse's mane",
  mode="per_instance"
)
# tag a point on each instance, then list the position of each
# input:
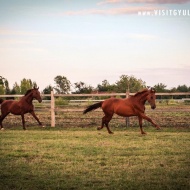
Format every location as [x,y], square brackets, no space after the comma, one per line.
[141,92]
[28,91]
[144,90]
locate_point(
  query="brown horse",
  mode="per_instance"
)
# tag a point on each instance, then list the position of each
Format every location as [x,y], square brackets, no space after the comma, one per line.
[132,106]
[21,107]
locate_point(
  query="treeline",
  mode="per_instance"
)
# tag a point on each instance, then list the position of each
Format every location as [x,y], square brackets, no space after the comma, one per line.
[64,86]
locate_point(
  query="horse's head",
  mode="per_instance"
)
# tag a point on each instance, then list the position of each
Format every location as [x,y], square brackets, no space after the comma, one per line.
[36,94]
[151,98]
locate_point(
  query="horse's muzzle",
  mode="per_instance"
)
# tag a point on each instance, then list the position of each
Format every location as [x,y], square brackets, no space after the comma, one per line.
[40,100]
[153,107]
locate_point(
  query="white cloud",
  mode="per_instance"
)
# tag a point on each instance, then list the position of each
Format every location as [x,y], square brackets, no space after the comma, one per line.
[109,2]
[113,11]
[144,1]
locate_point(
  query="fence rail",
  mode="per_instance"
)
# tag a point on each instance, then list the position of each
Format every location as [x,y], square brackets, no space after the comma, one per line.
[53,109]
[99,95]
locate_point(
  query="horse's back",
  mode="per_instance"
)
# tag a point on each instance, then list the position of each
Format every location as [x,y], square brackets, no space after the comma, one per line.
[10,106]
[109,105]
[122,107]
[7,103]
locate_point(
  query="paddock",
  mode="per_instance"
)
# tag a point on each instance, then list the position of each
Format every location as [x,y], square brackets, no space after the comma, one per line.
[72,154]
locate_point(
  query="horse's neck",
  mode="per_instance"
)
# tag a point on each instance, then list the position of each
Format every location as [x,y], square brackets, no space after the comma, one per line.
[142,98]
[28,98]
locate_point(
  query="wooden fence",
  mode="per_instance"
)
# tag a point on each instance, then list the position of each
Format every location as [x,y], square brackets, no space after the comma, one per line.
[52,97]
[104,95]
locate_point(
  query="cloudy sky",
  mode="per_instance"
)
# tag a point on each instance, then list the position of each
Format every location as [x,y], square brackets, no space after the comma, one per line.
[94,40]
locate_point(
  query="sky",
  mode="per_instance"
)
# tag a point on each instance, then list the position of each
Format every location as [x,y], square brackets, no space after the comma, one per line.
[95,40]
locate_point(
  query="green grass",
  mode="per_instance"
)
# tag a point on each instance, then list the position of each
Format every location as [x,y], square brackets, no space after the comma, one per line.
[82,158]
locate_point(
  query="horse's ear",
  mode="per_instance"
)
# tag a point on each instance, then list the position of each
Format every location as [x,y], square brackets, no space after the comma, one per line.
[36,88]
[153,90]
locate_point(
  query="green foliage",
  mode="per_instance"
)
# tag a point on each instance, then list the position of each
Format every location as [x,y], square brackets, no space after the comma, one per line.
[4,86]
[160,87]
[48,90]
[183,88]
[129,83]
[172,101]
[61,101]
[187,102]
[106,87]
[82,88]
[25,85]
[16,88]
[2,89]
[121,86]
[63,85]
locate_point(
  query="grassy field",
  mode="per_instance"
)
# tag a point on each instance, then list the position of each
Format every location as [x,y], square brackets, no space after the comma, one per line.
[83,158]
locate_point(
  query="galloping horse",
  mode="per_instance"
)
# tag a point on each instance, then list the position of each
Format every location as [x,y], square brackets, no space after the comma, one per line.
[21,107]
[132,106]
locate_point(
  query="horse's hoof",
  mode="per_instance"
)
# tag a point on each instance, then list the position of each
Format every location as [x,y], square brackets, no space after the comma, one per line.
[2,129]
[143,133]
[111,133]
[98,128]
[43,126]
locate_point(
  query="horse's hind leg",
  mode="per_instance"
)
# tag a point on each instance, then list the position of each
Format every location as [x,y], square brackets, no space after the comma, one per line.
[109,131]
[2,117]
[105,121]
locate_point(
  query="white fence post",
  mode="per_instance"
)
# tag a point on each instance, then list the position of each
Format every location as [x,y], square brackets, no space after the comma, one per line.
[52,109]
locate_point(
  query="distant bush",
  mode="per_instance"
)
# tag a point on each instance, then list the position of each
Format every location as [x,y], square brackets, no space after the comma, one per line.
[187,102]
[171,101]
[168,102]
[61,101]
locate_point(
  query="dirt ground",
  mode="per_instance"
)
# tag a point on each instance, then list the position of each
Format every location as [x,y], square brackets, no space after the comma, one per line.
[165,116]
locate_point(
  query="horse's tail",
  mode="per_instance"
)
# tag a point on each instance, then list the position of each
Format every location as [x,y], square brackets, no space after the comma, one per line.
[1,100]
[92,107]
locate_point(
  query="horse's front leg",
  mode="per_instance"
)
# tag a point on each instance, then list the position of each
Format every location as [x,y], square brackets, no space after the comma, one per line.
[23,122]
[150,120]
[99,128]
[34,115]
[140,124]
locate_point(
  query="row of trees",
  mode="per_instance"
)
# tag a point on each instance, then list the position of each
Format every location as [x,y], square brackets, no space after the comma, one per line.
[21,88]
[64,86]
